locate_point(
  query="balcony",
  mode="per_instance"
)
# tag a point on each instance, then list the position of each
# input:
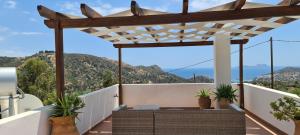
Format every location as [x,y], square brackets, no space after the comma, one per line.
[96,119]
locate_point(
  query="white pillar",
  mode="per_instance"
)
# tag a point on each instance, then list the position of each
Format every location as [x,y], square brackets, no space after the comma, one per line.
[222,61]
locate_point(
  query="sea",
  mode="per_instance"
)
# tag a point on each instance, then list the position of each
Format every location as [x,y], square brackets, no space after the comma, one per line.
[250,72]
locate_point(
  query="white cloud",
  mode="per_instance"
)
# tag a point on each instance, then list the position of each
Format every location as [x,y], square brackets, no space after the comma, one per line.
[197,5]
[1,38]
[26,12]
[6,32]
[10,4]
[3,28]
[32,19]
[26,33]
[103,8]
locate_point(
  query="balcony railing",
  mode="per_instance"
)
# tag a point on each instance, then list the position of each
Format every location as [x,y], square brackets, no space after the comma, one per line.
[99,105]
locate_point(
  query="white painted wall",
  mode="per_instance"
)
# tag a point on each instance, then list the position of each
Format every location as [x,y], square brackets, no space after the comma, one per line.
[167,95]
[99,105]
[222,59]
[29,123]
[164,95]
[258,99]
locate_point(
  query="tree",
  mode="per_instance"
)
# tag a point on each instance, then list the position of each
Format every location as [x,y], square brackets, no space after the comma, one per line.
[108,79]
[36,77]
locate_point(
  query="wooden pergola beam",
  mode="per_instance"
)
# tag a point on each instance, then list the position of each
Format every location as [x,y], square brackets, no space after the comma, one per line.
[137,11]
[175,44]
[238,4]
[89,12]
[282,20]
[250,13]
[289,2]
[185,9]
[59,47]
[49,14]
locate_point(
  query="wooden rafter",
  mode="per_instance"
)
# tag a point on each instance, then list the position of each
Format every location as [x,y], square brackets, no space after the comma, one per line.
[137,11]
[175,44]
[185,9]
[250,13]
[289,2]
[236,5]
[91,13]
[50,14]
[282,20]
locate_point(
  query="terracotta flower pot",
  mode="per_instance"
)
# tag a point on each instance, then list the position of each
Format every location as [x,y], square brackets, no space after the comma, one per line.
[204,102]
[224,103]
[63,126]
[297,127]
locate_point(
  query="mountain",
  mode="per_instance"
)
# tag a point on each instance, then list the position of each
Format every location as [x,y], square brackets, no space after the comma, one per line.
[85,72]
[286,79]
[287,74]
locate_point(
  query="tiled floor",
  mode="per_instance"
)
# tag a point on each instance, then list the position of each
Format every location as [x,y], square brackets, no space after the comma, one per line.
[253,128]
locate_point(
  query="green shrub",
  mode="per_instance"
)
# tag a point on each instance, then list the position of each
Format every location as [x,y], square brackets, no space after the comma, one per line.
[227,92]
[285,109]
[203,93]
[67,106]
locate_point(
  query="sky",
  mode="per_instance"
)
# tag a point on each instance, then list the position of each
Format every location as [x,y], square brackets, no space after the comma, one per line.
[23,33]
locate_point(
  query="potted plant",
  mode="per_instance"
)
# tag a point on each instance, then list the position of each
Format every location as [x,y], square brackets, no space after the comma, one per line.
[65,111]
[225,95]
[286,109]
[204,99]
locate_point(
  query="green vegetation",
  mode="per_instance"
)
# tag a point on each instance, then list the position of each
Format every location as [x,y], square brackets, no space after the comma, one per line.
[285,109]
[226,92]
[67,106]
[36,77]
[108,79]
[286,79]
[83,74]
[203,93]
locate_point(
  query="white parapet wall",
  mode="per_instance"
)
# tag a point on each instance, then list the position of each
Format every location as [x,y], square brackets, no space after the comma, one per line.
[33,122]
[257,101]
[99,105]
[164,95]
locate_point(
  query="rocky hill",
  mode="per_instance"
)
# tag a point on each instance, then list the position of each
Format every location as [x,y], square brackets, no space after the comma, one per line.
[288,74]
[85,72]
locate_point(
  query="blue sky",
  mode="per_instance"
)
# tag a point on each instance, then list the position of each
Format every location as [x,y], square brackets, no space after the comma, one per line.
[23,33]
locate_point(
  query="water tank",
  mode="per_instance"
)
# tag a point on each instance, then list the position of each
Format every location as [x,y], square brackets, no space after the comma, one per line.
[8,81]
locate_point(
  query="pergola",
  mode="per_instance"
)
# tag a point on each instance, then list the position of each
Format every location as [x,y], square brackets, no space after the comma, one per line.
[232,23]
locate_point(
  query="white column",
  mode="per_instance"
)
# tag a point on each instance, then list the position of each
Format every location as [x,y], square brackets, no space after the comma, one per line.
[222,60]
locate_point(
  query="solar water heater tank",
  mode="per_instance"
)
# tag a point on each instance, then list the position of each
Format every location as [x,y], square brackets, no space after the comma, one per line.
[8,81]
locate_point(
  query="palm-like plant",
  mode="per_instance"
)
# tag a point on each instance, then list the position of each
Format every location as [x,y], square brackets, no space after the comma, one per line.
[67,106]
[203,93]
[226,92]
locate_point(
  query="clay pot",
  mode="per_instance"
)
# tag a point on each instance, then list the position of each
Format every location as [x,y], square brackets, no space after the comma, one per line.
[297,127]
[63,126]
[224,103]
[204,102]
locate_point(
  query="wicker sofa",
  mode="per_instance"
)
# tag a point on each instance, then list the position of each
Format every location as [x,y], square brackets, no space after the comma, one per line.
[179,122]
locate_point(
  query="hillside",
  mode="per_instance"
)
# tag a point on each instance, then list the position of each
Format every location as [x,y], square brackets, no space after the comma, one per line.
[288,74]
[286,79]
[85,72]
